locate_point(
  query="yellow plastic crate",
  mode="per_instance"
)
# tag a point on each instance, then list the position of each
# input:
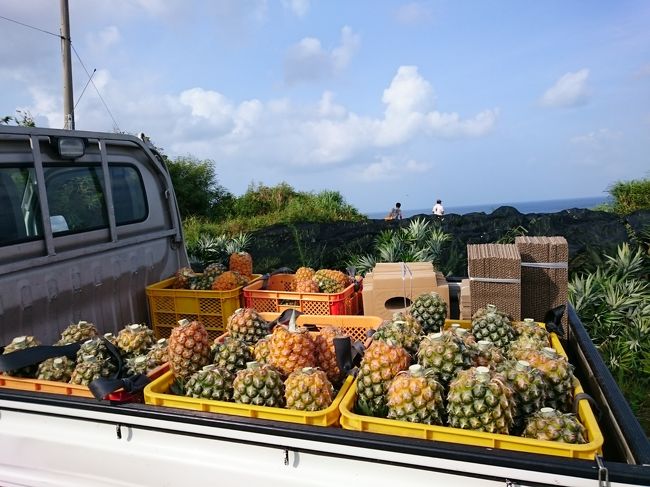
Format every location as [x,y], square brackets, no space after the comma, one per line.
[353,421]
[212,308]
[354,326]
[157,394]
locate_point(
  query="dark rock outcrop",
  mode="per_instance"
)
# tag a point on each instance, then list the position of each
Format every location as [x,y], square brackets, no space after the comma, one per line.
[590,234]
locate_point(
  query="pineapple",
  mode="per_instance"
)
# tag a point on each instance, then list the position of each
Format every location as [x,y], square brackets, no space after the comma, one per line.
[89,368]
[211,382]
[109,337]
[228,281]
[259,385]
[137,365]
[558,373]
[380,364]
[487,355]
[135,339]
[77,332]
[445,354]
[430,311]
[158,354]
[231,354]
[552,425]
[490,324]
[404,331]
[261,350]
[246,324]
[182,278]
[331,281]
[96,347]
[302,274]
[308,389]
[529,387]
[241,262]
[306,286]
[326,354]
[189,348]
[21,343]
[481,400]
[416,396]
[529,330]
[203,282]
[291,348]
[58,369]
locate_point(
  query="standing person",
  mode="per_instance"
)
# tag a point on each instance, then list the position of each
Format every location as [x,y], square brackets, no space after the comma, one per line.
[395,213]
[438,209]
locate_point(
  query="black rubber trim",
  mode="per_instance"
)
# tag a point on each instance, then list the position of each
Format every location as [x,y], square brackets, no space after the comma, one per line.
[618,472]
[627,422]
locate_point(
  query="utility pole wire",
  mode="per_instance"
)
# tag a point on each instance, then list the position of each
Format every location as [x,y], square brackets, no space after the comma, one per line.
[84,90]
[31,27]
[90,80]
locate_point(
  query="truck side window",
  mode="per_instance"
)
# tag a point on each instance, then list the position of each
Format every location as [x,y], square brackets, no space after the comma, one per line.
[75,196]
[19,207]
[129,198]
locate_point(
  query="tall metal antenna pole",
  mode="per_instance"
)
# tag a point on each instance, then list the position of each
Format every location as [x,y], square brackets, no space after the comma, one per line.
[68,100]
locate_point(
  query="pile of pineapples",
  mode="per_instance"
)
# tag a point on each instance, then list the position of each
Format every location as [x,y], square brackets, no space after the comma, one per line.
[287,367]
[308,280]
[135,343]
[499,377]
[216,276]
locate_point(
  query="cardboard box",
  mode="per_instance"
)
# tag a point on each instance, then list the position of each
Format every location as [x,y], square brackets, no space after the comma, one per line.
[392,287]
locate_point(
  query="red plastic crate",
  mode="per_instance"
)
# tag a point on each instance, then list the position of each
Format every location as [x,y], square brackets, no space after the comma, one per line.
[278,297]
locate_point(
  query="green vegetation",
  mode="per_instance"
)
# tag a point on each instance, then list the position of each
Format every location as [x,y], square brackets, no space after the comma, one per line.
[22,118]
[263,206]
[613,302]
[628,197]
[197,190]
[420,241]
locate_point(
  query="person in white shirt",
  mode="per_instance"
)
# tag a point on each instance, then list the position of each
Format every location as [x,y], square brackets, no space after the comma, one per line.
[438,209]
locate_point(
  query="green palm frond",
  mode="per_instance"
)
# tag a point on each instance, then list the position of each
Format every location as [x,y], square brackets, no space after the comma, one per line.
[238,243]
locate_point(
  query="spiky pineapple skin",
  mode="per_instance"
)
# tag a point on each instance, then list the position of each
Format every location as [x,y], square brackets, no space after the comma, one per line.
[402,329]
[416,397]
[231,354]
[326,353]
[302,274]
[228,281]
[246,324]
[261,350]
[445,354]
[90,368]
[259,386]
[529,389]
[330,281]
[22,343]
[308,389]
[480,400]
[291,351]
[77,332]
[430,311]
[241,262]
[211,382]
[490,324]
[58,369]
[381,362]
[555,426]
[306,286]
[189,348]
[158,354]
[135,339]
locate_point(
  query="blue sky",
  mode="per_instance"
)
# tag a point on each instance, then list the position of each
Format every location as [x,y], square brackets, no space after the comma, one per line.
[469,101]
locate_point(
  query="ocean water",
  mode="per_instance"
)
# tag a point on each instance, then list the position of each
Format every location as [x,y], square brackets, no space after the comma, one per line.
[543,206]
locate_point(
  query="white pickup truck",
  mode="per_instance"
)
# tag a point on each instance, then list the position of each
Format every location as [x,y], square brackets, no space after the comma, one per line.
[87,221]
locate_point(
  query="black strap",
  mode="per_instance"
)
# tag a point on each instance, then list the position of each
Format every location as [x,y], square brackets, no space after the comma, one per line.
[553,320]
[284,318]
[104,386]
[35,355]
[590,400]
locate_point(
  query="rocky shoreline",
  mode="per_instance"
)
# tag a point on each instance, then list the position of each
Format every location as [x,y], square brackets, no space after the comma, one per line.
[589,234]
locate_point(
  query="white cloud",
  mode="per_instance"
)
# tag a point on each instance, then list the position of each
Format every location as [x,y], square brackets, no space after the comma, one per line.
[414,13]
[596,138]
[298,7]
[107,37]
[388,169]
[570,90]
[308,60]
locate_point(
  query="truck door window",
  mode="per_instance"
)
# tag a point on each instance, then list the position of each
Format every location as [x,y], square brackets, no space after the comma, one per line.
[19,207]
[75,196]
[129,198]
